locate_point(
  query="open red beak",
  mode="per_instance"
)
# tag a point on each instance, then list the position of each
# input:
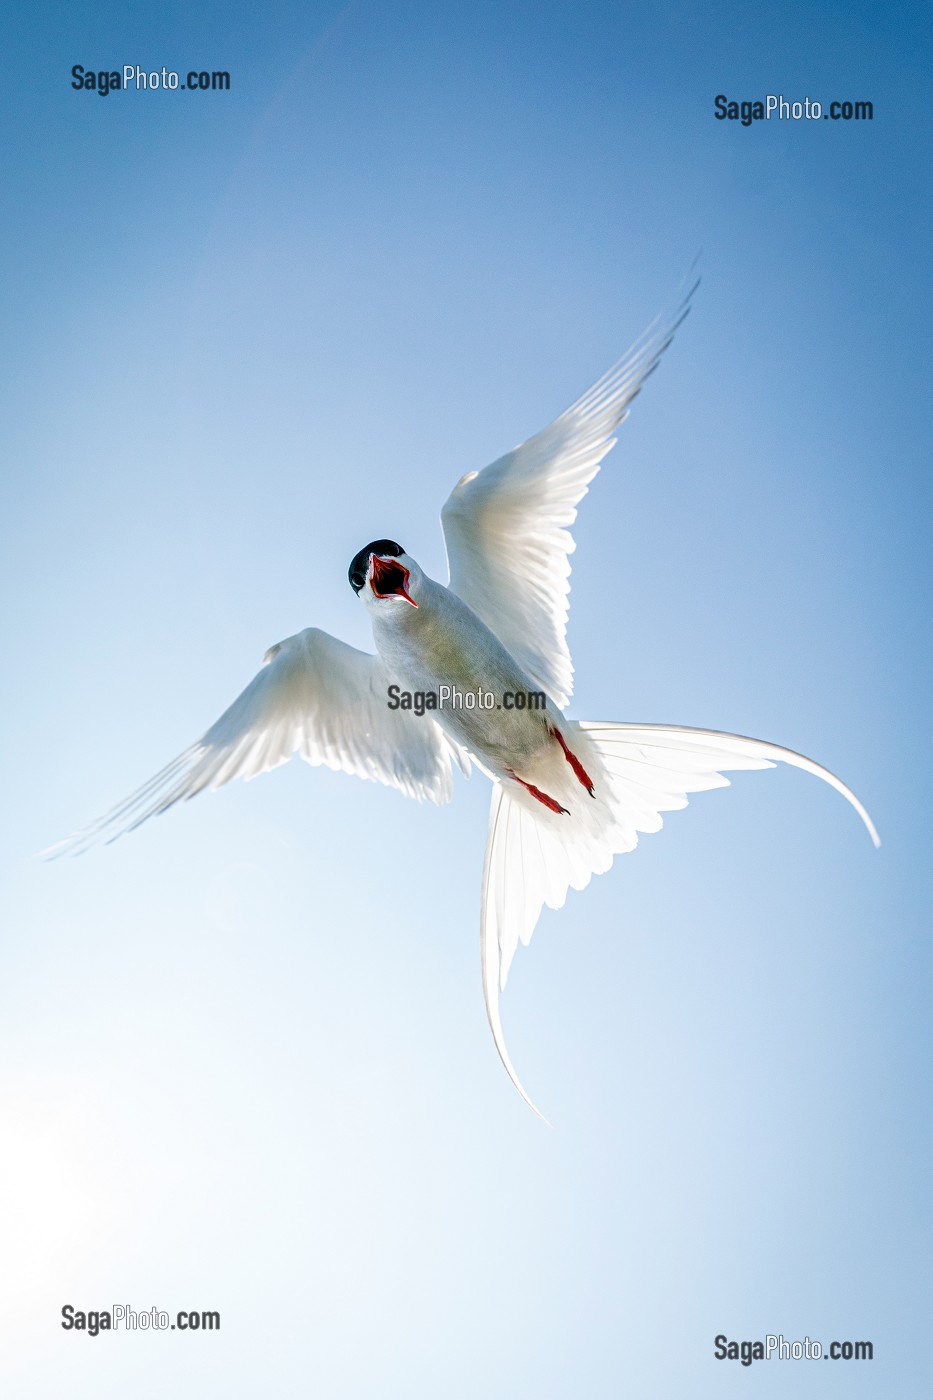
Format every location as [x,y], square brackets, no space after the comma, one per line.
[389,579]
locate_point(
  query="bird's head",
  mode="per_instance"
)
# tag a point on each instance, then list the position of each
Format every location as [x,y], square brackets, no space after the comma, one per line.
[384,576]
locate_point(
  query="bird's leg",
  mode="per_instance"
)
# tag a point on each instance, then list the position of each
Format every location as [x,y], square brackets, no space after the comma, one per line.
[579,772]
[549,802]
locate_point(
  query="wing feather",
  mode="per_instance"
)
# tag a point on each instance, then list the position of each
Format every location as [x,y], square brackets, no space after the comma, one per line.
[315,696]
[507,528]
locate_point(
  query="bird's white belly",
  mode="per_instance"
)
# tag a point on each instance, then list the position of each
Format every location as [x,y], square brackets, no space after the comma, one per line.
[448,651]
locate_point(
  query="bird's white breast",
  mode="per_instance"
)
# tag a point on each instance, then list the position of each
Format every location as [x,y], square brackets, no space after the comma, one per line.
[443,642]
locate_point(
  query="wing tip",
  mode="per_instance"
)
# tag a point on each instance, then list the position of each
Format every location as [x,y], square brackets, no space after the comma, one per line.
[53,852]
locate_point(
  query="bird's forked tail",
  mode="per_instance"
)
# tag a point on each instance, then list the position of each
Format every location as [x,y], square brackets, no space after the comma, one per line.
[533,855]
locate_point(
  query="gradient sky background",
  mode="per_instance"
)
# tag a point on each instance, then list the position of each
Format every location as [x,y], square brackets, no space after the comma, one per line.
[244,1063]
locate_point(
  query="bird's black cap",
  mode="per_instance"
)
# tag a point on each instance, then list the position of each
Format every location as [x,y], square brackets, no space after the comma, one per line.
[360,562]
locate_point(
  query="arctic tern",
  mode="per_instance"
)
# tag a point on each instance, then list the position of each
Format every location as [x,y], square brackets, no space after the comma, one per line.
[567,795]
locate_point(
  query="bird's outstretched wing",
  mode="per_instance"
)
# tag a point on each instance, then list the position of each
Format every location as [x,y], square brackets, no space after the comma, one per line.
[507,528]
[315,696]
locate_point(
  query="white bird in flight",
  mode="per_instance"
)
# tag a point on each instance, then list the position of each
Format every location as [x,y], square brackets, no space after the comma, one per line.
[567,795]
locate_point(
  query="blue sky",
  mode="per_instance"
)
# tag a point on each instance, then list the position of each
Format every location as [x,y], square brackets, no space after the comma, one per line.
[244,1062]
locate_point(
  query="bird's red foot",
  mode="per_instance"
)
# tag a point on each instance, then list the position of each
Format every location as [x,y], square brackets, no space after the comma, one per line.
[549,802]
[579,771]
